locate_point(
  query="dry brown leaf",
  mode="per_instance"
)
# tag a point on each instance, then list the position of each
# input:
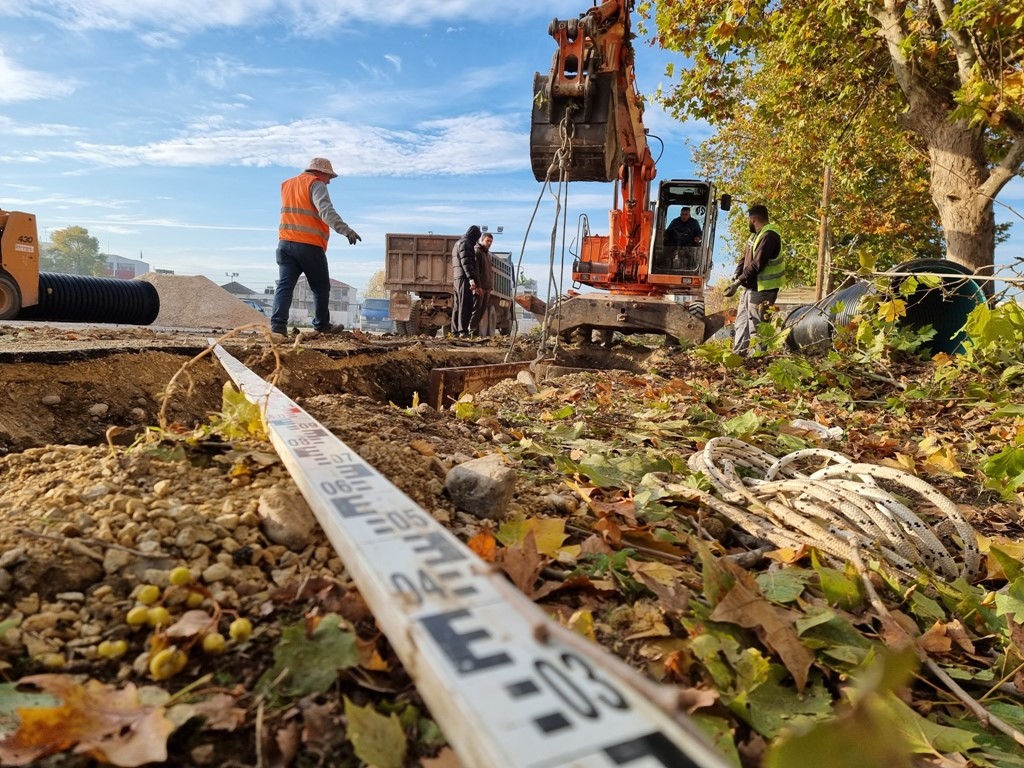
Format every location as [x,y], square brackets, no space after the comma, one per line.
[422,447]
[744,605]
[190,624]
[98,720]
[218,711]
[958,634]
[523,564]
[935,639]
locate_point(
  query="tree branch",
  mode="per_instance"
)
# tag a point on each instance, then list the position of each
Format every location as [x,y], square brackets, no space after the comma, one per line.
[923,104]
[1008,167]
[966,54]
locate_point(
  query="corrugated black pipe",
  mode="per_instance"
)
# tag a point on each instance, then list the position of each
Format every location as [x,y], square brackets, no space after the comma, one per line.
[83,299]
[945,308]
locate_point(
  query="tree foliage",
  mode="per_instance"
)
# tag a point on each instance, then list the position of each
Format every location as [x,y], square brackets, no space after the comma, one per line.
[74,251]
[375,288]
[902,99]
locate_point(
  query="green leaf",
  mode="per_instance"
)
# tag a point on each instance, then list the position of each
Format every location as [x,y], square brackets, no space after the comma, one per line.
[743,425]
[310,664]
[841,589]
[783,586]
[1011,566]
[1011,600]
[379,741]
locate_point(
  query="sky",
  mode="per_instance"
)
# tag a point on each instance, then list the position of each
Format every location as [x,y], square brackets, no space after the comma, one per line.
[165,127]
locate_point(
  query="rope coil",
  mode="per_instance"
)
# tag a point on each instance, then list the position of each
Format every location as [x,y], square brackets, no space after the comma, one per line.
[838,502]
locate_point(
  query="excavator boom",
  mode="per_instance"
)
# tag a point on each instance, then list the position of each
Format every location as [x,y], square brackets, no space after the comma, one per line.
[587,125]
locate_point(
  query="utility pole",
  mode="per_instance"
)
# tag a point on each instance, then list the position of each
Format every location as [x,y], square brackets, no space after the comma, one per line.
[826,193]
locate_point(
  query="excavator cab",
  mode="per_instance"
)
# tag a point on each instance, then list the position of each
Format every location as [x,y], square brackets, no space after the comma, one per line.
[684,234]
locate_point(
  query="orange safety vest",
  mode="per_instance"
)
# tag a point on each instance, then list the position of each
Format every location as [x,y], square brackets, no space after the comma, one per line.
[300,220]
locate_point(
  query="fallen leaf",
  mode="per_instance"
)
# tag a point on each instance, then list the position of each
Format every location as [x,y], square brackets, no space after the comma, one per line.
[484,545]
[523,564]
[218,711]
[422,447]
[549,533]
[190,624]
[935,639]
[98,720]
[582,622]
[309,663]
[744,605]
[378,740]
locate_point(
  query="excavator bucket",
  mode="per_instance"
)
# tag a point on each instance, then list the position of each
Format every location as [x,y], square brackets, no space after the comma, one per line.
[585,126]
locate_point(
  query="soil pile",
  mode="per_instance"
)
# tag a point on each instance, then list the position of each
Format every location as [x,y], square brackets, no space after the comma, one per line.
[194,301]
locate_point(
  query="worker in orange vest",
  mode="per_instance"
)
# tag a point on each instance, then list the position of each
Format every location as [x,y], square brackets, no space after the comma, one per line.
[307,218]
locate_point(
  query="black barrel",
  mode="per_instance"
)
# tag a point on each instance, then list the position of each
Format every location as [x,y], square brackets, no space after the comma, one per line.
[83,299]
[811,325]
[946,307]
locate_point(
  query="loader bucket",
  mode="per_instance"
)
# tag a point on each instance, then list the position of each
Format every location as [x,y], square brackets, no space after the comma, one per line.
[593,149]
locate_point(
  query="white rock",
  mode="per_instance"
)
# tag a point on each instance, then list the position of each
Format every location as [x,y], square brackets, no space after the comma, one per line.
[286,519]
[217,572]
[482,487]
[162,487]
[116,559]
[11,556]
[50,400]
[525,378]
[99,409]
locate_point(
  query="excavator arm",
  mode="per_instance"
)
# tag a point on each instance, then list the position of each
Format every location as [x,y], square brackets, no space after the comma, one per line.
[587,125]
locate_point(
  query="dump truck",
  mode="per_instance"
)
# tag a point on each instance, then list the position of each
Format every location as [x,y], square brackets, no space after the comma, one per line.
[418,275]
[28,294]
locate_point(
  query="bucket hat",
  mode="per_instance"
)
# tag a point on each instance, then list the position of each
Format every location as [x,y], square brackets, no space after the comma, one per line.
[321,165]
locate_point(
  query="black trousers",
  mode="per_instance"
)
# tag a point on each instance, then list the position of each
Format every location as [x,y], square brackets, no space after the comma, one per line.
[462,311]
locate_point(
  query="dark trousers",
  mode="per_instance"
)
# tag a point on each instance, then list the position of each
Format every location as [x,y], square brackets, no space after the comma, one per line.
[480,304]
[294,259]
[462,310]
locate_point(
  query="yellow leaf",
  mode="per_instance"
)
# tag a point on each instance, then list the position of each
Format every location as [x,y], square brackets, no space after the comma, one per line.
[890,311]
[582,622]
[548,533]
[944,461]
[661,573]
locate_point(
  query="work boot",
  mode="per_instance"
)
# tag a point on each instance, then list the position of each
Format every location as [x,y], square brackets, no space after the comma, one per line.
[278,338]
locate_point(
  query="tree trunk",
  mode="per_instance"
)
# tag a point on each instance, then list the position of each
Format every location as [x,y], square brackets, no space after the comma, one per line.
[968,220]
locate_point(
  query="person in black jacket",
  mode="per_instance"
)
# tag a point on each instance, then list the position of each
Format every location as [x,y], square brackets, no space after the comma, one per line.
[464,277]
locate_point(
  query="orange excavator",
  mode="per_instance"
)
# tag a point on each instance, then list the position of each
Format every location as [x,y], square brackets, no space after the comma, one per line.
[587,125]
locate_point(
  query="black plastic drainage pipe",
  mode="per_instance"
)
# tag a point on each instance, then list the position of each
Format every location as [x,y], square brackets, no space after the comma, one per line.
[83,299]
[811,326]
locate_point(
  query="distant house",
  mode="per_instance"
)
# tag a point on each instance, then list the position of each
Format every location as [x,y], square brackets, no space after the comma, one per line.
[256,300]
[126,269]
[343,304]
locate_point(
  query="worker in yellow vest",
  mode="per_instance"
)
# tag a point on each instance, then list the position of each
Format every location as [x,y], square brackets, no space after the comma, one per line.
[307,218]
[761,273]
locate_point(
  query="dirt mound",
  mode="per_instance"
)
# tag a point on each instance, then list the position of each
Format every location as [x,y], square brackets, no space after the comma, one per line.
[194,301]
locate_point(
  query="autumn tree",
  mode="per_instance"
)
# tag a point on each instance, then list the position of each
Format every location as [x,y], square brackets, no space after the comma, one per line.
[73,251]
[375,288]
[942,77]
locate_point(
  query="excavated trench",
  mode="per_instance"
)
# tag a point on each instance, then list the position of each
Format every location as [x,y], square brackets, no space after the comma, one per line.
[74,396]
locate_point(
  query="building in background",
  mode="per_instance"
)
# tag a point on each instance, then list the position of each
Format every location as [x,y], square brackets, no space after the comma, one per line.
[343,304]
[259,301]
[126,269]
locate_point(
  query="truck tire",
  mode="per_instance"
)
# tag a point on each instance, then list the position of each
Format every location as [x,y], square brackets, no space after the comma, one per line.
[10,298]
[413,325]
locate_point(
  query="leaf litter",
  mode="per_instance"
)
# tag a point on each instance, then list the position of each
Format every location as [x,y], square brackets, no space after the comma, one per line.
[773,646]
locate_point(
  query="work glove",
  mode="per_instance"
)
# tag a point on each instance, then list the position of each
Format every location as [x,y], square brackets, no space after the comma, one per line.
[353,237]
[731,290]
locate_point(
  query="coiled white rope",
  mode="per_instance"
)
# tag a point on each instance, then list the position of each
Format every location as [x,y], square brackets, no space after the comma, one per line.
[838,502]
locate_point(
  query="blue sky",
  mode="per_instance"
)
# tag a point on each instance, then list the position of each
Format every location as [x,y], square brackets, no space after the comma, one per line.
[165,127]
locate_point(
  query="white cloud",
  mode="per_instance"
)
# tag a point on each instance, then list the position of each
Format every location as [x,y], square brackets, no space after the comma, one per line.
[395,60]
[221,69]
[162,20]
[469,144]
[18,84]
[9,127]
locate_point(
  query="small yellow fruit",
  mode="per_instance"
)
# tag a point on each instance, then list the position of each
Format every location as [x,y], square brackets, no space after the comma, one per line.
[180,576]
[137,616]
[240,630]
[148,594]
[167,663]
[158,617]
[51,660]
[194,599]
[214,643]
[112,649]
